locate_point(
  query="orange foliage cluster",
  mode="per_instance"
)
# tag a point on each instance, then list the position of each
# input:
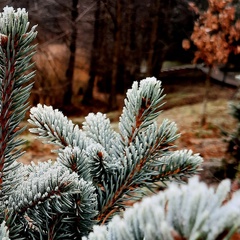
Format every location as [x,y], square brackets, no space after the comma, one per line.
[216,33]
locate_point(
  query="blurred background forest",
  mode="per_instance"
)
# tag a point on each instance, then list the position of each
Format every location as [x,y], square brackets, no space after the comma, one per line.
[86,46]
[106,44]
[90,51]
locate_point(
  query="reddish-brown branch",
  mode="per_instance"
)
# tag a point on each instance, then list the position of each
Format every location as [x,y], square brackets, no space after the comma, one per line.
[166,174]
[108,215]
[108,209]
[62,139]
[139,118]
[51,231]
[176,236]
[4,119]
[74,167]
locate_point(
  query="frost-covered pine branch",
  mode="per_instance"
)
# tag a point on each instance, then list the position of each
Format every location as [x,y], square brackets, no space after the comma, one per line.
[15,54]
[119,164]
[191,211]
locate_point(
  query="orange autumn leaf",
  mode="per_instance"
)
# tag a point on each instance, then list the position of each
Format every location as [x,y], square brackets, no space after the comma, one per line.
[186,44]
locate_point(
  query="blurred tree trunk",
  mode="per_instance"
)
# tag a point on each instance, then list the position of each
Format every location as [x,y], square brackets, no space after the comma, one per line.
[115,60]
[71,63]
[205,98]
[153,38]
[158,42]
[88,95]
[131,56]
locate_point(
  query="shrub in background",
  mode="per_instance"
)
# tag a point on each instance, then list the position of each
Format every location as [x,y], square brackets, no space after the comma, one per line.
[98,172]
[232,164]
[234,141]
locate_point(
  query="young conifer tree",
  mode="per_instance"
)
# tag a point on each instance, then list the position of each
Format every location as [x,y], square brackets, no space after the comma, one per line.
[98,172]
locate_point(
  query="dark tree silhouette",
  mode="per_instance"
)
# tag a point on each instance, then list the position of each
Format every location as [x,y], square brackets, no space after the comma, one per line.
[88,96]
[73,45]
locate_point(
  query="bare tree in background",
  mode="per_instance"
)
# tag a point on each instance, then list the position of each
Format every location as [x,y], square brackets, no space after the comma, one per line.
[125,34]
[130,33]
[88,95]
[58,26]
[106,43]
[153,40]
[116,53]
[72,47]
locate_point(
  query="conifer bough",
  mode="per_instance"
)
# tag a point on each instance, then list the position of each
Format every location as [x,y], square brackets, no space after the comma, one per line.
[98,172]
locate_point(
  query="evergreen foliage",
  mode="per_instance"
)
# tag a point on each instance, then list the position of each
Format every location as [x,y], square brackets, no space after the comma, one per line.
[15,55]
[191,211]
[98,172]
